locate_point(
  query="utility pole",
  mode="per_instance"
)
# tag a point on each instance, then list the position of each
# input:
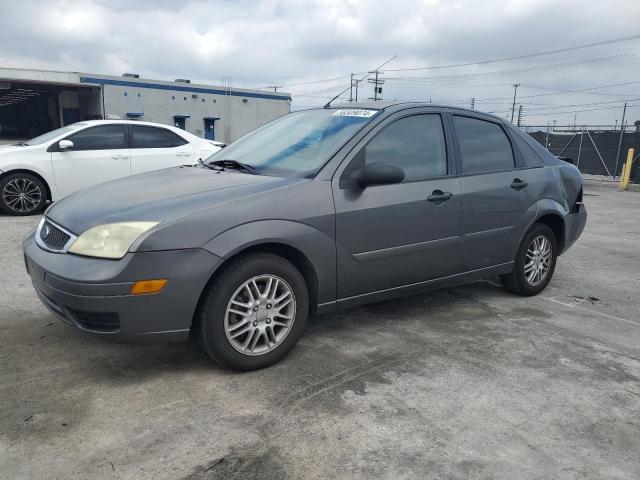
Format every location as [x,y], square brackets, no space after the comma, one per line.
[473,103]
[624,112]
[554,126]
[519,115]
[377,89]
[328,104]
[351,89]
[513,107]
[546,142]
[575,118]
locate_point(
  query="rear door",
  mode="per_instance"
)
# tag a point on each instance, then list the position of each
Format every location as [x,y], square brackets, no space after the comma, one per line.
[153,148]
[393,235]
[99,154]
[497,201]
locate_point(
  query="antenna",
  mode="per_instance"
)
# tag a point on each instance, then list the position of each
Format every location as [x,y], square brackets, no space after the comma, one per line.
[328,104]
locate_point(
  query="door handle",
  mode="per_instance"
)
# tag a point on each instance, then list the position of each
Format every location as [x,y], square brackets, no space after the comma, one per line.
[119,157]
[518,184]
[438,197]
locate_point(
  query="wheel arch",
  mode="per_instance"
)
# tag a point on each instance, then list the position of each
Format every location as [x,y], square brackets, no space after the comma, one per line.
[285,250]
[556,223]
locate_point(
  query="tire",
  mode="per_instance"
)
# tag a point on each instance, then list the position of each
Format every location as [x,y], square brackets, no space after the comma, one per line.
[214,324]
[32,189]
[518,281]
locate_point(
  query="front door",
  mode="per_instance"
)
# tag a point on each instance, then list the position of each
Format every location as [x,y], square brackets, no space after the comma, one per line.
[99,154]
[394,235]
[498,197]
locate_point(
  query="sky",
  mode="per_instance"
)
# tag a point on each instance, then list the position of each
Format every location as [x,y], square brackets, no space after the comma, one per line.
[259,44]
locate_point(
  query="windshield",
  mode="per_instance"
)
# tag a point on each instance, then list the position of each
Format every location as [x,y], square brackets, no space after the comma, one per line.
[298,144]
[45,137]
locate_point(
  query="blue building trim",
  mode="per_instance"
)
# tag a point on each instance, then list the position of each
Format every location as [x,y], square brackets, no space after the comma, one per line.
[182,116]
[180,88]
[135,114]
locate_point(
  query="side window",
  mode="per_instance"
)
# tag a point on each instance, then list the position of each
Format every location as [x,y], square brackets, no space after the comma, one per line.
[483,145]
[530,157]
[106,137]
[415,144]
[154,137]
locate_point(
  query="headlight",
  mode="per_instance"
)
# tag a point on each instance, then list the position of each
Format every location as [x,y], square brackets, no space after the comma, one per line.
[111,240]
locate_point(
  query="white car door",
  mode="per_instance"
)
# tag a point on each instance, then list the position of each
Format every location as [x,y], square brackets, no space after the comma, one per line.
[153,148]
[98,154]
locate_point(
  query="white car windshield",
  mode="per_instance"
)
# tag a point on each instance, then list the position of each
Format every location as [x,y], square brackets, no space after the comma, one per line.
[45,137]
[298,144]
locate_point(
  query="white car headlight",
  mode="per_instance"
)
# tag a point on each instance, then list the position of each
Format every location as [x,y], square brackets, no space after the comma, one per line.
[111,240]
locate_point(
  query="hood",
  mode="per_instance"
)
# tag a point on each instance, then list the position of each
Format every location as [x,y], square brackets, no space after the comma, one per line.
[162,195]
[6,148]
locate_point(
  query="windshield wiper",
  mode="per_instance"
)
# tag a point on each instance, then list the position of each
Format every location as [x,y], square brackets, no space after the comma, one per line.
[206,165]
[235,165]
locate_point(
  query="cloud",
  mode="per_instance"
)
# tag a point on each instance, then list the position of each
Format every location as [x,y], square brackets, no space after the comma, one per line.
[260,43]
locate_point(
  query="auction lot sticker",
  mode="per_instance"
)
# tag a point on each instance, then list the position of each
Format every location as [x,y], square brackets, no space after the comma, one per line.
[353,112]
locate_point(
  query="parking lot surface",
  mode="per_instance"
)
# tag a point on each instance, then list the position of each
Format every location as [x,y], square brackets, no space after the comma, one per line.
[467,382]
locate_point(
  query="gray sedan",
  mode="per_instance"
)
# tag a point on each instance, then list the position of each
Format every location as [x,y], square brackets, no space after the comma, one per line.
[318,210]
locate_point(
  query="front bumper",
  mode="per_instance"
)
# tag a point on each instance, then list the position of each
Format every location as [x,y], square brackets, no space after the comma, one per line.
[92,294]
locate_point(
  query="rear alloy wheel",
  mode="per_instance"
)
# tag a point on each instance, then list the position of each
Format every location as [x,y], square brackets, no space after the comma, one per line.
[22,194]
[253,312]
[534,264]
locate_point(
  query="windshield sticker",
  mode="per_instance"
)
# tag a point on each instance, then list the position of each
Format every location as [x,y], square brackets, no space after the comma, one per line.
[352,112]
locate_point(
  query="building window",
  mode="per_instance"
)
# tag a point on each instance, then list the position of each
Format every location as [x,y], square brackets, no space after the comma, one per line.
[139,95]
[125,94]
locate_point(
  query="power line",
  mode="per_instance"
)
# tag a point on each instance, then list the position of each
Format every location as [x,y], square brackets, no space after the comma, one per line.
[519,57]
[575,111]
[481,62]
[560,92]
[630,57]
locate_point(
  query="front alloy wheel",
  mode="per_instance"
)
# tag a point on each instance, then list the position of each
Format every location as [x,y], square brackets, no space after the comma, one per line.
[22,194]
[260,315]
[252,312]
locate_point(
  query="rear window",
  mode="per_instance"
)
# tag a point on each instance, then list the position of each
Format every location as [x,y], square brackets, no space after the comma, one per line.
[154,137]
[484,146]
[530,157]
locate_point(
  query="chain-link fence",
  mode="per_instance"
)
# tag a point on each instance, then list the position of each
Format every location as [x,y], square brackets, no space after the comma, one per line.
[594,149]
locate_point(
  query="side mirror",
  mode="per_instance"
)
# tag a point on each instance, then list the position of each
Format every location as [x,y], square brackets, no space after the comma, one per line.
[379,174]
[65,144]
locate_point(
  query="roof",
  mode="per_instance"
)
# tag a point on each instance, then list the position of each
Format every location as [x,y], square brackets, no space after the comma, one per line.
[81,79]
[395,105]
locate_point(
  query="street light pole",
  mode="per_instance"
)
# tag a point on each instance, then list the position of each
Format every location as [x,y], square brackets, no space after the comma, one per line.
[513,108]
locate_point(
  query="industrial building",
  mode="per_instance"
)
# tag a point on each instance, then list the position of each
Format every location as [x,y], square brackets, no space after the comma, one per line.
[36,101]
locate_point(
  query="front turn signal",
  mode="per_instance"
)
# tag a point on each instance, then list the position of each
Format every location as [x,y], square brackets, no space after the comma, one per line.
[145,287]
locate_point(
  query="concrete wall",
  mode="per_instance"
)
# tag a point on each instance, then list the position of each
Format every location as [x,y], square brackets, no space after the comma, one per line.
[239,113]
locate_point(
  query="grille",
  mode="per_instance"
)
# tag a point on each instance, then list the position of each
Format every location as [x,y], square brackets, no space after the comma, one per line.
[53,237]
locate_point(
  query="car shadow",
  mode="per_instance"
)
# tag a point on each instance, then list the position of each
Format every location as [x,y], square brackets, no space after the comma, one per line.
[133,363]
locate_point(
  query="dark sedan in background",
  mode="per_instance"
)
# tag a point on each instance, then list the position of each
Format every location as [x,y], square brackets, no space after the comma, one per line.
[320,209]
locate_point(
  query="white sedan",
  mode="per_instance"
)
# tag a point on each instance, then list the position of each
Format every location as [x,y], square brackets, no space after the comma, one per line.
[83,154]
